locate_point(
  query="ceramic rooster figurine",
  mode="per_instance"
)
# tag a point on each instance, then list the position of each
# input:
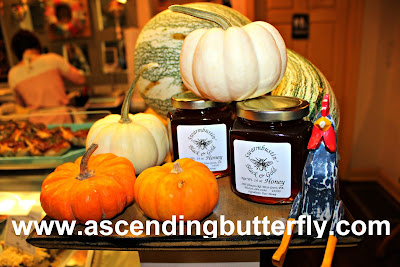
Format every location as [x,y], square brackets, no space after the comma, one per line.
[319,196]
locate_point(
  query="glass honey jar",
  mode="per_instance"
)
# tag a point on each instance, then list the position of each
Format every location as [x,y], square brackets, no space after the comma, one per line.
[268,144]
[199,129]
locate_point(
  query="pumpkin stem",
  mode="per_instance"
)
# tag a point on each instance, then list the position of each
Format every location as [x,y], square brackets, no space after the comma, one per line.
[127,100]
[176,168]
[85,173]
[223,22]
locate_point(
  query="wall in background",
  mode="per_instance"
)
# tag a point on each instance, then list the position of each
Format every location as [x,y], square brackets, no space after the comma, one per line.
[376,138]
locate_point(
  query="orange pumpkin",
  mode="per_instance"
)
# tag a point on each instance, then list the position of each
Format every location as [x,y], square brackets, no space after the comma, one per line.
[92,188]
[184,187]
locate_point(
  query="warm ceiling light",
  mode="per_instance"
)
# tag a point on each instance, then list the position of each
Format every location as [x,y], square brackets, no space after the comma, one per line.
[121,1]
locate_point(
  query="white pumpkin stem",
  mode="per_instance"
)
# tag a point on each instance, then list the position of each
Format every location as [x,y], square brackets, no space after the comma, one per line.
[85,173]
[127,100]
[176,168]
[223,22]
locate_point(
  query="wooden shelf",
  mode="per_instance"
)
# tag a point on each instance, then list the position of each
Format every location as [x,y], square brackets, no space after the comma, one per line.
[233,207]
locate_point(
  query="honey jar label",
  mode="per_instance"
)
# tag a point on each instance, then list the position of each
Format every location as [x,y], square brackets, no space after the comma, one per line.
[204,143]
[262,168]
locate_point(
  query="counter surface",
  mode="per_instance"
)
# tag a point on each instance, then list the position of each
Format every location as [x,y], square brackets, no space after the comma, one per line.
[230,205]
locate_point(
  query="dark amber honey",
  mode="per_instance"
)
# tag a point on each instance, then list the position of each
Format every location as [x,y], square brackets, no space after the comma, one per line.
[197,128]
[269,152]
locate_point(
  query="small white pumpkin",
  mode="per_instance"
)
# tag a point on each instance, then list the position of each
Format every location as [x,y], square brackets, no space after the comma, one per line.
[141,138]
[233,63]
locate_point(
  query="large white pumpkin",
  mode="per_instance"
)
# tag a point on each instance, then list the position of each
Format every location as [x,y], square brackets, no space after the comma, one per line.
[161,41]
[141,138]
[233,63]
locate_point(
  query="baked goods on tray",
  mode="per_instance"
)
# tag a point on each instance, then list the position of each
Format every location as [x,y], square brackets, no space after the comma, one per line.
[11,257]
[25,138]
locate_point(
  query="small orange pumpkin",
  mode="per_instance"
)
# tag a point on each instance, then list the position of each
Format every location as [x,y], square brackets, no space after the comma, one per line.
[92,188]
[184,187]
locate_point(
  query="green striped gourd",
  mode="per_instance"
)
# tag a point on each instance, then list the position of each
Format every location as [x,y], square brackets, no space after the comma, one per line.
[161,40]
[303,80]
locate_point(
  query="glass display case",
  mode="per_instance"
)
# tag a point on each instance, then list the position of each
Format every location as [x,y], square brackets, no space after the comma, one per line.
[21,178]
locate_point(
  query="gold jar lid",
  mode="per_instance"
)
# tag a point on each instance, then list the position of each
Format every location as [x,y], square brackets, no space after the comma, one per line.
[188,100]
[272,108]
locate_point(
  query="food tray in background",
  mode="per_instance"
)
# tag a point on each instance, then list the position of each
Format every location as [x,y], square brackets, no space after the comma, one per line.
[45,162]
